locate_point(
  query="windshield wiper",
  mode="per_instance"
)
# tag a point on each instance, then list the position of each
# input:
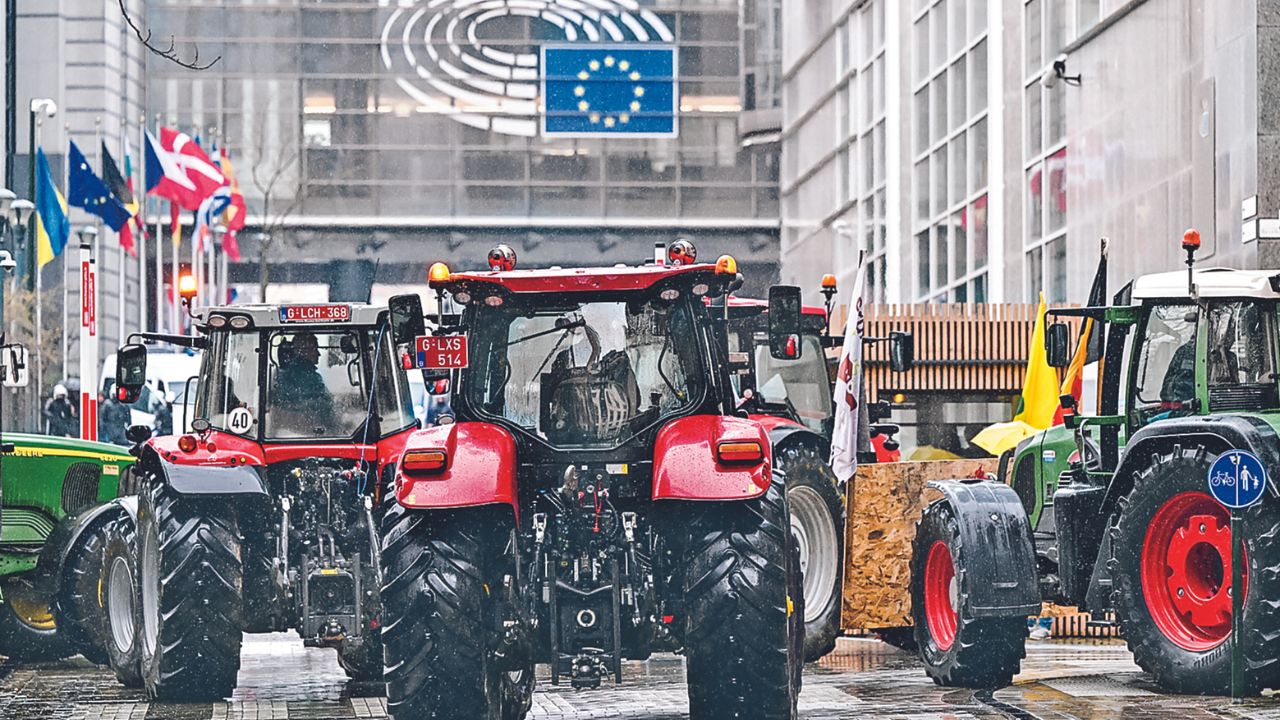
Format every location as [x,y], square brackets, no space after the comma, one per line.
[571,325]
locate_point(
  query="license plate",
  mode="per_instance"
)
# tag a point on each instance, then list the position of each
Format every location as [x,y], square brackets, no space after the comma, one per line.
[439,352]
[315,313]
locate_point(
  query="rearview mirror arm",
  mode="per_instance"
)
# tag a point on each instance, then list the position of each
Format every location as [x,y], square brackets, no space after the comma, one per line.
[199,342]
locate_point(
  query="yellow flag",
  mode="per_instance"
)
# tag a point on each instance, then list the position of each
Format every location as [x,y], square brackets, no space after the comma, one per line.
[1040,387]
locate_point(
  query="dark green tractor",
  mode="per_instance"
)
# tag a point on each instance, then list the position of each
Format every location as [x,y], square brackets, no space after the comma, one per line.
[58,500]
[1118,502]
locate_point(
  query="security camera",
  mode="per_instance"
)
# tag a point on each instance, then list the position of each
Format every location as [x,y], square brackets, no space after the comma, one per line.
[6,262]
[1048,78]
[1058,71]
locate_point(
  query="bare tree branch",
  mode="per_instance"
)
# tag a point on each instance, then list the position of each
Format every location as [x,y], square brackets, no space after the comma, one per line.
[169,53]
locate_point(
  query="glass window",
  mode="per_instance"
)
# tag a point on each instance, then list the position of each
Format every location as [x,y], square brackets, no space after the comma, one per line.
[802,384]
[1242,338]
[1166,371]
[978,231]
[1057,250]
[959,93]
[1035,273]
[1056,201]
[395,404]
[920,48]
[316,385]
[959,246]
[978,143]
[231,380]
[584,373]
[922,119]
[1032,36]
[978,60]
[1034,123]
[1035,203]
[922,262]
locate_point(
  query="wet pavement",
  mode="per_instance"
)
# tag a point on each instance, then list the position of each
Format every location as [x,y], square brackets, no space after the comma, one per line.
[864,678]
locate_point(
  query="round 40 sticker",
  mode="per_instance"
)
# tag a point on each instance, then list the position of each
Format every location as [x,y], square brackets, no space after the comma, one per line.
[240,420]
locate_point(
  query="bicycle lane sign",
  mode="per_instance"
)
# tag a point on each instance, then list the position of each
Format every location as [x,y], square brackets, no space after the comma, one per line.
[1237,479]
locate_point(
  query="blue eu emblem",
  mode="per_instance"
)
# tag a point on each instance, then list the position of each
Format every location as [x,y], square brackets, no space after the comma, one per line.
[609,90]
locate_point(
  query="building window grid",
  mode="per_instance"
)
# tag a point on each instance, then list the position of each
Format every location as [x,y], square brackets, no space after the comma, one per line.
[862,155]
[1045,146]
[938,277]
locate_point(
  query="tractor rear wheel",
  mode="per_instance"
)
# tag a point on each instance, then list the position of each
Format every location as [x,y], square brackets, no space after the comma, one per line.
[817,519]
[79,607]
[738,637]
[28,632]
[438,624]
[121,611]
[191,580]
[957,650]
[1172,551]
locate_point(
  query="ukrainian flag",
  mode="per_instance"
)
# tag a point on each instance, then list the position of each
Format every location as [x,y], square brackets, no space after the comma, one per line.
[52,226]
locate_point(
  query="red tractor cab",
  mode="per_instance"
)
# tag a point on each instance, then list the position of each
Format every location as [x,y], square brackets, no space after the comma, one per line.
[598,498]
[262,518]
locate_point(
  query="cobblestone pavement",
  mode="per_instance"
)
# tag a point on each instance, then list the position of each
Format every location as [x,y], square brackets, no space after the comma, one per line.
[863,678]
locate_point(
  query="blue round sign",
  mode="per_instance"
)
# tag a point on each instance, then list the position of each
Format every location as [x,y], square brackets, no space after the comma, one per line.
[1237,479]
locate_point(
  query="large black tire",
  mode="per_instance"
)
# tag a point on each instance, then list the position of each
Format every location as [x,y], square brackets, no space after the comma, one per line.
[438,628]
[79,607]
[28,632]
[191,580]
[817,518]
[958,650]
[1183,655]
[738,638]
[121,602]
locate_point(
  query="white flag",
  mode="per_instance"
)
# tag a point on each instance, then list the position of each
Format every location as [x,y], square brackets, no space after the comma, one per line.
[844,436]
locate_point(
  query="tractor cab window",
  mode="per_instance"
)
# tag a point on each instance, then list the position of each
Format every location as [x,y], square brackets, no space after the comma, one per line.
[1165,377]
[229,387]
[315,385]
[802,385]
[584,374]
[1241,355]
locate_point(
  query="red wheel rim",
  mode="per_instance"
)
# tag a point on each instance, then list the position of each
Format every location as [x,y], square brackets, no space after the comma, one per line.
[939,595]
[1186,571]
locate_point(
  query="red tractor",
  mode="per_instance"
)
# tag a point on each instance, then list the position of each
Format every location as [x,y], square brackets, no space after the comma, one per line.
[599,497]
[262,518]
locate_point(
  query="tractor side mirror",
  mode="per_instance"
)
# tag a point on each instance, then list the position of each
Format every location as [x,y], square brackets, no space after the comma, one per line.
[438,387]
[131,372]
[137,434]
[406,318]
[784,322]
[1057,341]
[902,351]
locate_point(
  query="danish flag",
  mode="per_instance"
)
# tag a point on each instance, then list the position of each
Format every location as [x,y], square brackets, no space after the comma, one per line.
[179,170]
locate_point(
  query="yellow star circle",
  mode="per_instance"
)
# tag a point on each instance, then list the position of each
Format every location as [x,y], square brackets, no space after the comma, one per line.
[609,120]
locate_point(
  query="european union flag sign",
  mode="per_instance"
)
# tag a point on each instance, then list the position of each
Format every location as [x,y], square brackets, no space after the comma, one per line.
[619,90]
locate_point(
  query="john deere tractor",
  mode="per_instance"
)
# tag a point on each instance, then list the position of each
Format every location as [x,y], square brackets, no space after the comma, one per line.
[58,503]
[1123,519]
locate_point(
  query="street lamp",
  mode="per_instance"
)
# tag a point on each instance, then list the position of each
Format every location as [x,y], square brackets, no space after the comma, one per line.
[6,201]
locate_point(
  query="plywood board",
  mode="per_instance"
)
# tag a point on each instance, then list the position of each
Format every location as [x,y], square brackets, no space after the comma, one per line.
[883,507]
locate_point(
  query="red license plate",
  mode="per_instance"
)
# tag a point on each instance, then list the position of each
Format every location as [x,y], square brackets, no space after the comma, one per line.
[441,351]
[315,313]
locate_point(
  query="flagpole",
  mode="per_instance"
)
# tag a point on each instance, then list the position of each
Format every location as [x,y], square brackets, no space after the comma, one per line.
[141,245]
[163,321]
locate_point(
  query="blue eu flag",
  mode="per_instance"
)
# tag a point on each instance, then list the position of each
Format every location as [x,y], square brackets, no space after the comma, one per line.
[609,90]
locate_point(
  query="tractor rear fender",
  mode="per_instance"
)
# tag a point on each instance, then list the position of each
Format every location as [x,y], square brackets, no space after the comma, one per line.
[783,435]
[688,464]
[995,541]
[1217,433]
[205,478]
[67,536]
[479,467]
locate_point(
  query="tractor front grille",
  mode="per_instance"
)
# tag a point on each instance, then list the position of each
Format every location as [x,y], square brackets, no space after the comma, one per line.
[80,486]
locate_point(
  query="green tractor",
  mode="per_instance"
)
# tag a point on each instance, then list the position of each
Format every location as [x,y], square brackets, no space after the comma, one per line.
[1118,503]
[58,500]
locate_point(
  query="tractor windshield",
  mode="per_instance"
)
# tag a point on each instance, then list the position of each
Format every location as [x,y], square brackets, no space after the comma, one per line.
[1241,356]
[585,374]
[316,384]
